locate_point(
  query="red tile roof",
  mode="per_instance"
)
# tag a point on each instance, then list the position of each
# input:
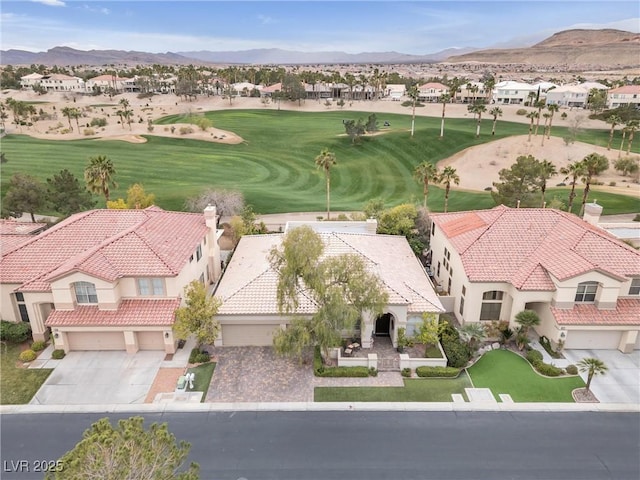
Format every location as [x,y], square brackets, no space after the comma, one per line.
[626,89]
[527,246]
[129,313]
[108,244]
[12,227]
[627,312]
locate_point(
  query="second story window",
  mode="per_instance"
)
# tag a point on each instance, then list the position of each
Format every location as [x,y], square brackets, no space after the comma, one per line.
[586,292]
[150,287]
[199,253]
[634,289]
[85,292]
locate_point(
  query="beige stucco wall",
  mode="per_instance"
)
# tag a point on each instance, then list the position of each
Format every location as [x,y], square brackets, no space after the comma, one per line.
[566,290]
[8,310]
[64,295]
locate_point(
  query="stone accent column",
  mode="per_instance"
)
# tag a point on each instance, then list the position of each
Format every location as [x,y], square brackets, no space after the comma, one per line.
[628,341]
[131,341]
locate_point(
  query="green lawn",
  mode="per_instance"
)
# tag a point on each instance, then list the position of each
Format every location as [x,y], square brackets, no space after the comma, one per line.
[18,385]
[506,372]
[203,373]
[414,390]
[274,167]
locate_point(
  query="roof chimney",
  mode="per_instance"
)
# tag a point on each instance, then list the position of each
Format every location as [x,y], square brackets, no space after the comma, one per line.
[592,212]
[372,225]
[210,217]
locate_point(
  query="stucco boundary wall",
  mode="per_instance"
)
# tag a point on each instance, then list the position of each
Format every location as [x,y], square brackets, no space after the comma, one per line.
[320,407]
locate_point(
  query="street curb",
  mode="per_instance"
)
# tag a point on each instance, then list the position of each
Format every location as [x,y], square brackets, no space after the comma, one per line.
[323,407]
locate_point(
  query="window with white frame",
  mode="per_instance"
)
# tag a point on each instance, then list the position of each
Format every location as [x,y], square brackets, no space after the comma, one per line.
[586,292]
[491,305]
[199,253]
[148,287]
[85,292]
[634,289]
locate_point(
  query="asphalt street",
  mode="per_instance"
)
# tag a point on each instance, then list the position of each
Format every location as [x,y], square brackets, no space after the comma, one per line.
[363,445]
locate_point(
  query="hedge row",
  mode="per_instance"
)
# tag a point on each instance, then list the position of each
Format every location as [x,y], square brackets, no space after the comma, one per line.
[535,358]
[14,332]
[322,371]
[437,371]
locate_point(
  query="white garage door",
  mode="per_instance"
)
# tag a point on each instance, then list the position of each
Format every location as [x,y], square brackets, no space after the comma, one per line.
[150,341]
[248,335]
[588,340]
[95,340]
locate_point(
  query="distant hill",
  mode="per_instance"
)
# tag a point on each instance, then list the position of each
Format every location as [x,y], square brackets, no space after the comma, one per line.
[607,47]
[71,56]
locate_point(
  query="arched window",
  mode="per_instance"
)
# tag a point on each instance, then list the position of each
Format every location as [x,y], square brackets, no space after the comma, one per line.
[85,292]
[586,292]
[491,305]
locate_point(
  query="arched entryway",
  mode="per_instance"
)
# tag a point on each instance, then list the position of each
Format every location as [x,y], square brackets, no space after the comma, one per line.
[384,325]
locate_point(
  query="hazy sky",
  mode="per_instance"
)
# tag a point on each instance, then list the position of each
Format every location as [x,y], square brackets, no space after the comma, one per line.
[418,27]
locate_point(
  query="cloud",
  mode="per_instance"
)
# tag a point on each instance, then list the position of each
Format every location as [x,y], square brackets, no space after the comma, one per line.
[266,20]
[51,3]
[103,11]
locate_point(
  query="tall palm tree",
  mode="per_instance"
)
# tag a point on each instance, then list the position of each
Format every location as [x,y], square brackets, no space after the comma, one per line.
[495,112]
[539,105]
[547,170]
[413,93]
[423,173]
[489,84]
[572,171]
[532,115]
[632,126]
[547,117]
[325,161]
[613,120]
[625,129]
[593,367]
[553,108]
[478,109]
[69,113]
[448,175]
[99,175]
[127,113]
[444,99]
[594,164]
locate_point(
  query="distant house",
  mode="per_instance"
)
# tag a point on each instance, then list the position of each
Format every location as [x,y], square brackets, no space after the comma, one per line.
[512,93]
[249,312]
[395,91]
[472,92]
[58,82]
[583,282]
[572,96]
[432,91]
[103,83]
[109,279]
[13,233]
[621,96]
[270,90]
[29,81]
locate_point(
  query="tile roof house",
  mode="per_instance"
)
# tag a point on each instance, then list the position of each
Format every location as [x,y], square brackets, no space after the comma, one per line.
[249,311]
[109,279]
[583,282]
[621,96]
[432,91]
[13,233]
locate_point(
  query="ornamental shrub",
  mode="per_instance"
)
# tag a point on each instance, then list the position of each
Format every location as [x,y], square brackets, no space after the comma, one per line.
[406,372]
[458,353]
[58,354]
[13,332]
[38,346]
[548,370]
[28,356]
[572,369]
[437,372]
[534,356]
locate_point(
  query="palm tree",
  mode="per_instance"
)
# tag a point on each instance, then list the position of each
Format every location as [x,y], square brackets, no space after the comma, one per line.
[444,99]
[547,117]
[99,175]
[413,93]
[613,120]
[448,175]
[632,126]
[69,113]
[553,108]
[532,116]
[572,171]
[593,367]
[489,84]
[76,114]
[495,112]
[325,161]
[594,164]
[527,319]
[547,170]
[423,173]
[478,109]
[127,113]
[472,333]
[625,129]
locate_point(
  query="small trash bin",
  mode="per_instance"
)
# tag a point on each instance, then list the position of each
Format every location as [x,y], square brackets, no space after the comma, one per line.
[181,386]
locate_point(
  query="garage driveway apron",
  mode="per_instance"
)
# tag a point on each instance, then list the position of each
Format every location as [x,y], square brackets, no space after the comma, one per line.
[100,378]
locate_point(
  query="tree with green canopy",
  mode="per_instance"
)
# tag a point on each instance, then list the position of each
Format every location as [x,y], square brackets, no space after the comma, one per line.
[197,317]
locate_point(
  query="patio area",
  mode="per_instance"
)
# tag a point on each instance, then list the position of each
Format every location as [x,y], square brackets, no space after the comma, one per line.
[388,359]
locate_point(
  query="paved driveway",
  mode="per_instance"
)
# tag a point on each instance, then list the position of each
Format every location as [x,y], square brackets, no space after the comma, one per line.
[91,378]
[621,384]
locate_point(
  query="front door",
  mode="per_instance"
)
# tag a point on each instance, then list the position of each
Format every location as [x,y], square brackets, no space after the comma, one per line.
[383,323]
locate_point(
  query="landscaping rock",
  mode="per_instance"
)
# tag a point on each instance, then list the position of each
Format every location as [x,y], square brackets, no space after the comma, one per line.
[495,345]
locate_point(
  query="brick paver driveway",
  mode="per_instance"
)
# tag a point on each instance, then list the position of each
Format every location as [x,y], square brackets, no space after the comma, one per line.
[257,374]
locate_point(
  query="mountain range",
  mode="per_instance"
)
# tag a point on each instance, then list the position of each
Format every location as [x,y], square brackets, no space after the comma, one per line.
[571,47]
